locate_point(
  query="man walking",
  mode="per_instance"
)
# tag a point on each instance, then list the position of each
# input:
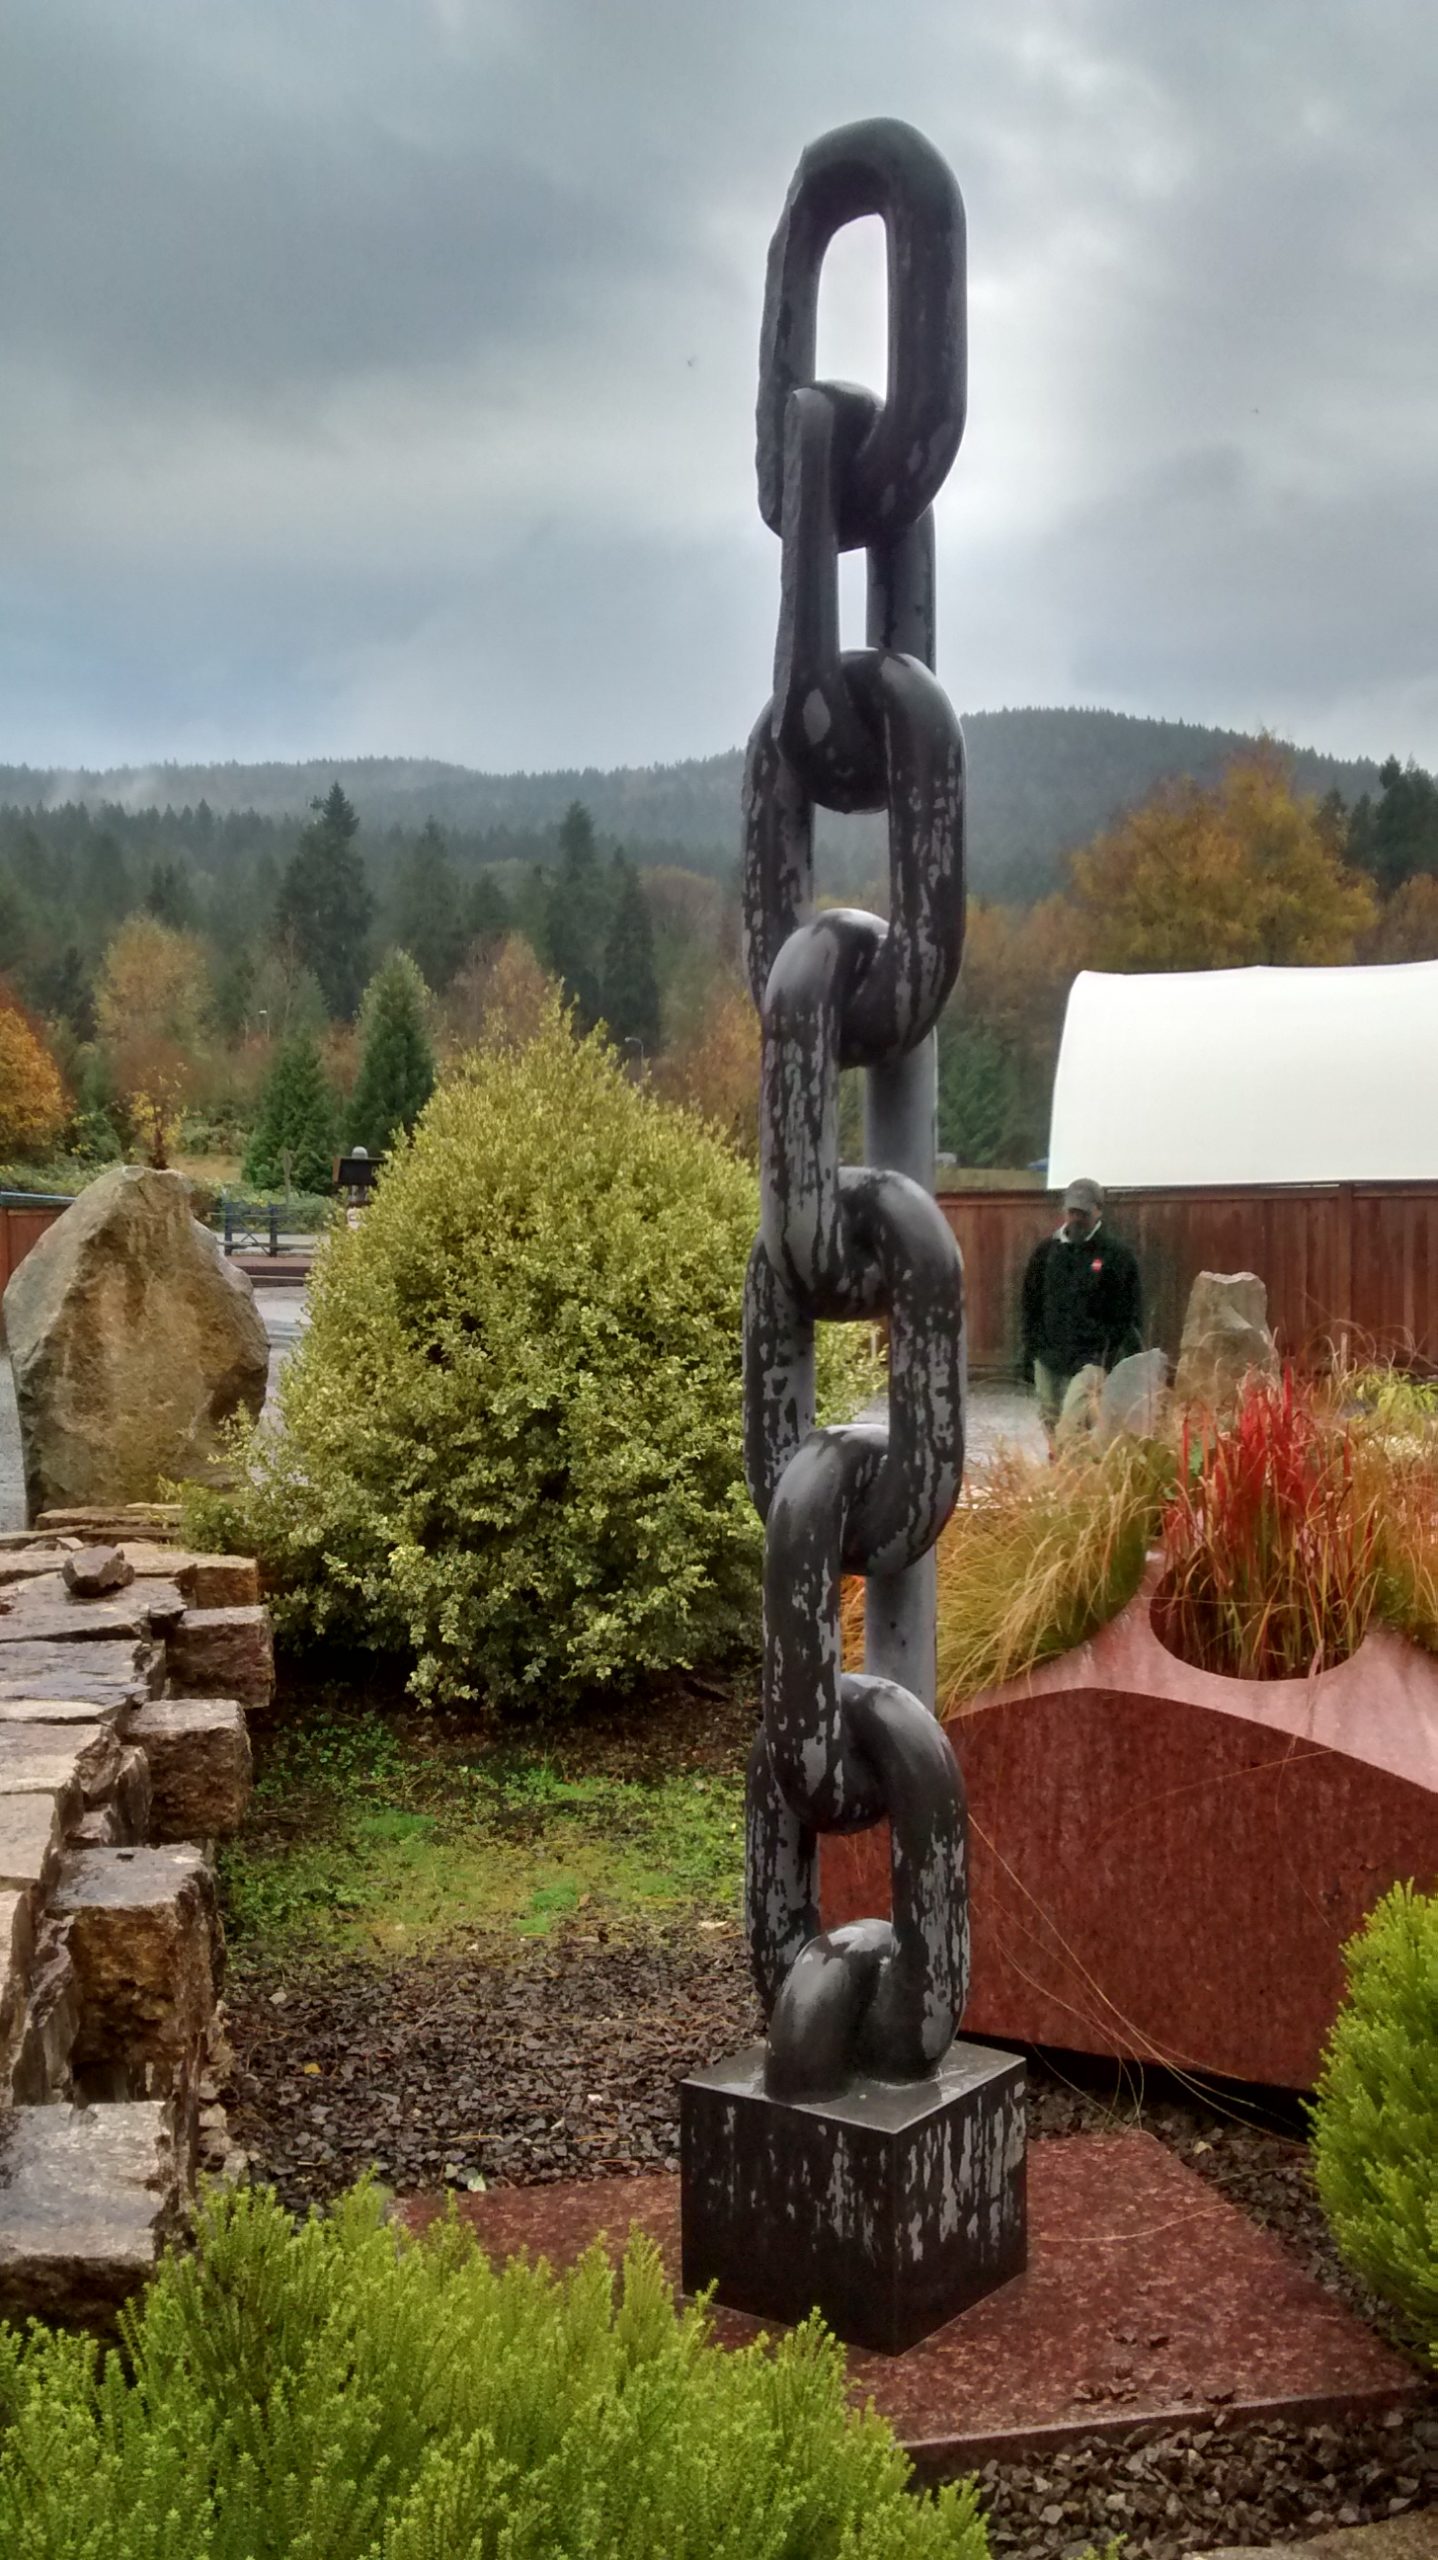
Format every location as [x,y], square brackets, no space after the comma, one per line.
[1082,1303]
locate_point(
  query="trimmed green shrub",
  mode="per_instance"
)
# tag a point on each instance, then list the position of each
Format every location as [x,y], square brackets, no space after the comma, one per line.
[337,2392]
[510,1434]
[1375,2118]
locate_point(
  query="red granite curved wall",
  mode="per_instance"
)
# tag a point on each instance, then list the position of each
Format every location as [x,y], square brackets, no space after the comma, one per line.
[1166,1864]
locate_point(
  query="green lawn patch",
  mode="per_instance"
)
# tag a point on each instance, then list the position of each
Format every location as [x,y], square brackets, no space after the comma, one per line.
[374,1836]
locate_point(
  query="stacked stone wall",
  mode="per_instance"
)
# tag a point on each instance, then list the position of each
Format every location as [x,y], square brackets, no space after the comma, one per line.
[127,1667]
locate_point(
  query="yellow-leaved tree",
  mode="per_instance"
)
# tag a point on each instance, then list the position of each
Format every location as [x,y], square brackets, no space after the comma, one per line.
[713,1064]
[151,1005]
[1221,878]
[32,1097]
[1407,928]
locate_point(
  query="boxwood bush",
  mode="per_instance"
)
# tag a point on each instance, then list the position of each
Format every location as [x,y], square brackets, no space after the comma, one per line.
[338,2393]
[509,1436]
[1375,2118]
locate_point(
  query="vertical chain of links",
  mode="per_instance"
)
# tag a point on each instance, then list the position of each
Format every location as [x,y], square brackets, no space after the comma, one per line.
[855,729]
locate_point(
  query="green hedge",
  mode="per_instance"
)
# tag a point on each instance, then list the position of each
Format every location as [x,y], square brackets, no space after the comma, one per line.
[338,2393]
[1375,2117]
[510,1434]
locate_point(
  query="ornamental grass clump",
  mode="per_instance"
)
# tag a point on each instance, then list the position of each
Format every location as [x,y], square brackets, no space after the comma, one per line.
[1375,2116]
[509,1438]
[1275,1540]
[1035,1559]
[1039,1557]
[337,2392]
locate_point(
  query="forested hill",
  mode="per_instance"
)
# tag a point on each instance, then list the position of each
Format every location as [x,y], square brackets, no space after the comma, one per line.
[1040,782]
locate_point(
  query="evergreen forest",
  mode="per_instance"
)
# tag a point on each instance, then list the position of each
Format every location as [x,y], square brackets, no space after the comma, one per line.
[258,966]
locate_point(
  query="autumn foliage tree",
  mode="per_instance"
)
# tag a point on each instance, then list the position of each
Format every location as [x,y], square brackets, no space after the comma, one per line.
[999,1035]
[501,996]
[714,1066]
[1407,929]
[151,1008]
[1226,878]
[32,1097]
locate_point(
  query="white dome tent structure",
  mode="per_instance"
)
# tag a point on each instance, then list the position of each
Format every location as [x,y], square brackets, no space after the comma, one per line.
[1248,1076]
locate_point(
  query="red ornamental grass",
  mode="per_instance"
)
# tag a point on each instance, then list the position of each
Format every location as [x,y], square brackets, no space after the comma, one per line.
[1272,1542]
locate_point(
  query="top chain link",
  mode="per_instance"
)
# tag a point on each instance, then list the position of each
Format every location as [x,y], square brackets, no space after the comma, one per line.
[856,729]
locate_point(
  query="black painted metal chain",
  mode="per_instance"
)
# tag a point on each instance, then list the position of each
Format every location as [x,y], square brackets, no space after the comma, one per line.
[855,729]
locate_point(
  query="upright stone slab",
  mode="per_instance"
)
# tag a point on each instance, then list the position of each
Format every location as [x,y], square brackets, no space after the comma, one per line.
[132,1340]
[1225,1340]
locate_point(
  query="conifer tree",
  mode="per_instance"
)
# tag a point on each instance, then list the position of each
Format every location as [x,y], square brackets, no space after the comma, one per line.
[487,916]
[396,1076]
[168,897]
[324,906]
[576,918]
[631,983]
[428,912]
[294,1141]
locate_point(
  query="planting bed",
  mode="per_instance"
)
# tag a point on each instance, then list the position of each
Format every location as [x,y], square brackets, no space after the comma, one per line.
[527,2061]
[1252,1823]
[559,2059]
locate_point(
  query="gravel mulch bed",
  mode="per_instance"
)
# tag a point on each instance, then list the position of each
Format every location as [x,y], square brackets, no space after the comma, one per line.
[559,2058]
[522,2061]
[1207,2488]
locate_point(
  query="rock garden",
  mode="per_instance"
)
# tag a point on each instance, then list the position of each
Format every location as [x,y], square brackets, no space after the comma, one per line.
[411,1948]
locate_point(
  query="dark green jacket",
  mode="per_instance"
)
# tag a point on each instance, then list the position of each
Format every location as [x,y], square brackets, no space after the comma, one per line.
[1082,1303]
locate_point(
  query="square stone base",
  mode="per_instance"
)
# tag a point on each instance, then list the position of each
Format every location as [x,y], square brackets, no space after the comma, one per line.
[890,2209]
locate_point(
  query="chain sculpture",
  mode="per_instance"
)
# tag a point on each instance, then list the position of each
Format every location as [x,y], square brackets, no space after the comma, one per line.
[848,730]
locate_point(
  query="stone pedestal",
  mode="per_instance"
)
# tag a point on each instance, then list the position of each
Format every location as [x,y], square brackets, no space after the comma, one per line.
[890,2209]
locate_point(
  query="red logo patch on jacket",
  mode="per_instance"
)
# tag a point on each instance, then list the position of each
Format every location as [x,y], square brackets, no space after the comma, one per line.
[1097,1265]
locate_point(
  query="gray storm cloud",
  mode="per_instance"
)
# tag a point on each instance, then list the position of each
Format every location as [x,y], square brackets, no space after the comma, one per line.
[381,380]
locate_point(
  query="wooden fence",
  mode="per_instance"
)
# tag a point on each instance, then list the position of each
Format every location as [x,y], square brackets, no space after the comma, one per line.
[1353,1263]
[1349,1263]
[22,1223]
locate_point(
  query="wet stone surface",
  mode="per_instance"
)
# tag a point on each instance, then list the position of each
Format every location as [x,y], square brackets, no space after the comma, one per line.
[90,2194]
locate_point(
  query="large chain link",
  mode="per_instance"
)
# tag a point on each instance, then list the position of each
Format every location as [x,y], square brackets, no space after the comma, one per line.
[855,729]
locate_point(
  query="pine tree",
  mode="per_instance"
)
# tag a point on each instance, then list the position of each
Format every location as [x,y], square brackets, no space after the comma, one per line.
[978,1093]
[324,906]
[487,917]
[631,982]
[63,988]
[294,1141]
[576,917]
[168,896]
[396,1076]
[1405,824]
[428,913]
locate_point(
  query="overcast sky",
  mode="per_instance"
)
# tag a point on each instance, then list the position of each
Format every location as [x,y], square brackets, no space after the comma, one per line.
[377,376]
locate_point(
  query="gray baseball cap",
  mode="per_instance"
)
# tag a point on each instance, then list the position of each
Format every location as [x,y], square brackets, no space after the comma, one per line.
[1084,1194]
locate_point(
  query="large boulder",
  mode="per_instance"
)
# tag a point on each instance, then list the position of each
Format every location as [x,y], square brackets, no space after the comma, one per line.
[1225,1339]
[132,1339]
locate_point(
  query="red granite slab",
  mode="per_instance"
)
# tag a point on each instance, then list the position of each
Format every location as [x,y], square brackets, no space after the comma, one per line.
[1166,1864]
[1148,2301]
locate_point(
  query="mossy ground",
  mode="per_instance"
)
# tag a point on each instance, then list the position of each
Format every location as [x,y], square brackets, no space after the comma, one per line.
[381,1832]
